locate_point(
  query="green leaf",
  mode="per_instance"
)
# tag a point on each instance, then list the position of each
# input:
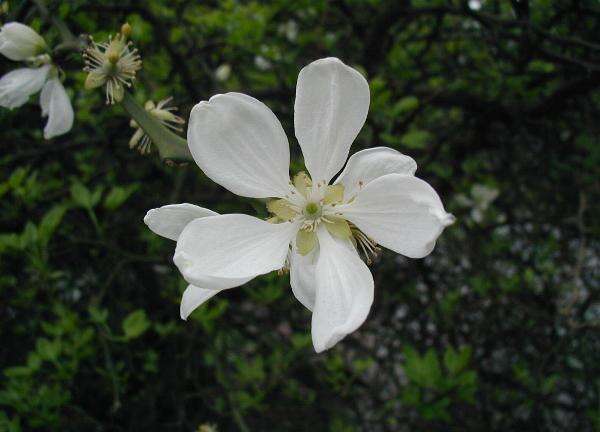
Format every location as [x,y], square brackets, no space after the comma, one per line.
[405,105]
[135,324]
[416,139]
[50,222]
[48,350]
[29,236]
[424,371]
[455,361]
[96,197]
[81,195]
[10,241]
[118,195]
[98,315]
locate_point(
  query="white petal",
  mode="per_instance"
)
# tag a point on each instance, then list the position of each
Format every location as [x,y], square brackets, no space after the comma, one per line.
[402,213]
[344,292]
[16,86]
[332,102]
[302,277]
[56,105]
[170,220]
[19,42]
[227,251]
[194,297]
[367,165]
[239,143]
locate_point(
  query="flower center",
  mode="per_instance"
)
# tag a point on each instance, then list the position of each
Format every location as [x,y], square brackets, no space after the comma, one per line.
[312,210]
[313,205]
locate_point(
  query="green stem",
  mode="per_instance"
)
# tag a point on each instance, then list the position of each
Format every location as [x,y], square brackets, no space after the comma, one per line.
[170,146]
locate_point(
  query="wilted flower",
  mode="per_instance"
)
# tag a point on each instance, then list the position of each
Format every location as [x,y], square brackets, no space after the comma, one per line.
[164,115]
[113,64]
[20,42]
[316,227]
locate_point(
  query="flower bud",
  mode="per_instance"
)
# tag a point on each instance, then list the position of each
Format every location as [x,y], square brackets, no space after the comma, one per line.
[20,42]
[126,30]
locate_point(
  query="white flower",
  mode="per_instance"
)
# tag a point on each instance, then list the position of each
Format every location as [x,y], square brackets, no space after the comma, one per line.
[18,85]
[20,42]
[262,63]
[223,72]
[57,107]
[481,198]
[316,226]
[289,29]
[164,114]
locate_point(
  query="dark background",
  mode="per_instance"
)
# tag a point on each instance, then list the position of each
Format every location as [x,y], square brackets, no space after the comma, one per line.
[496,330]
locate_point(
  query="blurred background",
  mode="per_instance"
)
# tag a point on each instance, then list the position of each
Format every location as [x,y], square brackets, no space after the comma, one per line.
[496,330]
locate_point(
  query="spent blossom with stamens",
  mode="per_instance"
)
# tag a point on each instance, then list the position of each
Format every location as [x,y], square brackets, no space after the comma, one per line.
[164,114]
[113,64]
[317,225]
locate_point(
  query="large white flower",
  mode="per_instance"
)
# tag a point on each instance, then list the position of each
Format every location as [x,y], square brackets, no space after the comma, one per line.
[317,227]
[20,42]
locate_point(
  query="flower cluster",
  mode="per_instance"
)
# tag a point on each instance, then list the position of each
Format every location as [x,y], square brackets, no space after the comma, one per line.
[113,64]
[19,42]
[317,225]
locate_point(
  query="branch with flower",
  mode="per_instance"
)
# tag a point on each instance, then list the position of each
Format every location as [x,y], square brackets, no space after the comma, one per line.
[325,225]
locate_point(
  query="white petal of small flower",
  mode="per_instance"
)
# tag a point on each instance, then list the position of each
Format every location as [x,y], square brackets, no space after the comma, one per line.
[332,102]
[20,42]
[302,277]
[17,86]
[344,292]
[56,105]
[239,143]
[402,213]
[170,220]
[225,251]
[193,297]
[367,165]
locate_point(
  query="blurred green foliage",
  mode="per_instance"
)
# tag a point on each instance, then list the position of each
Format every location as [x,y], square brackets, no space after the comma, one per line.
[498,103]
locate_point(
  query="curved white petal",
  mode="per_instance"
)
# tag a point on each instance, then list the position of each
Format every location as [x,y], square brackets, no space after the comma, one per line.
[170,220]
[332,102]
[239,143]
[16,86]
[367,165]
[227,251]
[56,105]
[402,213]
[19,42]
[302,277]
[194,297]
[344,292]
